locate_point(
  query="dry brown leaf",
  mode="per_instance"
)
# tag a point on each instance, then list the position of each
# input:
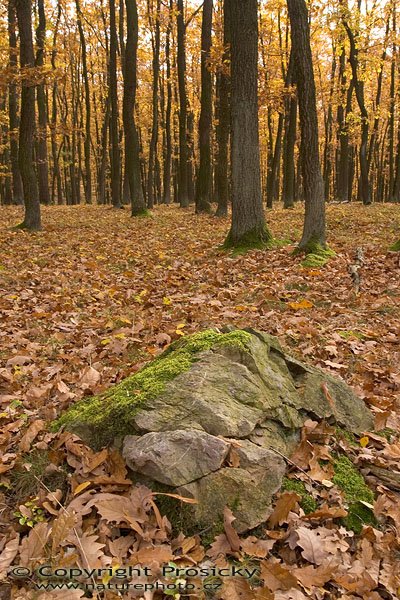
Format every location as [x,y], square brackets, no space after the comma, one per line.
[277,577]
[8,554]
[33,430]
[285,503]
[231,533]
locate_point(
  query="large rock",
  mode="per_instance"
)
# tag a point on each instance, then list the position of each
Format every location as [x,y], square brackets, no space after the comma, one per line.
[175,457]
[241,386]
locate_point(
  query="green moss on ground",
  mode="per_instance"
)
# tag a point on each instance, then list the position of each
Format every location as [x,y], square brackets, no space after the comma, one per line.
[307,503]
[317,257]
[356,491]
[256,239]
[395,247]
[110,413]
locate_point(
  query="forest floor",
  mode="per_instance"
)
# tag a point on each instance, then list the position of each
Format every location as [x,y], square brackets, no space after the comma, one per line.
[96,294]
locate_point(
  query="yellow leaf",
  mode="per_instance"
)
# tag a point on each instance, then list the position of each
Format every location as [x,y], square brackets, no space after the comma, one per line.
[181,325]
[81,487]
[106,341]
[167,301]
[302,305]
[364,441]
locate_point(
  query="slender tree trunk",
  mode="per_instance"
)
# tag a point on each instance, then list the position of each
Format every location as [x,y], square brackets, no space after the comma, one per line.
[223,121]
[115,153]
[32,220]
[344,108]
[87,144]
[54,148]
[168,114]
[313,185]
[156,73]
[183,140]
[288,186]
[42,161]
[204,177]
[131,134]
[392,108]
[248,227]
[365,190]
[17,191]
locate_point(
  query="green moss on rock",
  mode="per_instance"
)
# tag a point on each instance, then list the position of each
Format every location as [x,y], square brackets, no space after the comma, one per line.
[307,503]
[356,491]
[110,414]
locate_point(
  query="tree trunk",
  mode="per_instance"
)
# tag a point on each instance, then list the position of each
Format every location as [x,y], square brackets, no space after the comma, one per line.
[248,227]
[54,148]
[288,186]
[154,130]
[131,134]
[42,161]
[88,172]
[365,191]
[223,121]
[313,185]
[17,192]
[32,220]
[115,152]
[183,141]
[204,177]
[168,114]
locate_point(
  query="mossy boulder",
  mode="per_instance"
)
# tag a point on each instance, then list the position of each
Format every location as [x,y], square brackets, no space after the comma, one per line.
[237,385]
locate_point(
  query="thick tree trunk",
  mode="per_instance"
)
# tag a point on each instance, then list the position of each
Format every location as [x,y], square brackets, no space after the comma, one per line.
[42,161]
[17,191]
[204,177]
[223,121]
[183,193]
[313,185]
[115,152]
[32,220]
[131,134]
[248,227]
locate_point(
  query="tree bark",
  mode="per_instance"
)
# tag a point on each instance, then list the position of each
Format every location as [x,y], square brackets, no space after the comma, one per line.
[42,160]
[365,190]
[138,206]
[155,24]
[168,114]
[32,219]
[248,228]
[183,193]
[17,191]
[88,111]
[204,177]
[313,185]
[223,121]
[115,152]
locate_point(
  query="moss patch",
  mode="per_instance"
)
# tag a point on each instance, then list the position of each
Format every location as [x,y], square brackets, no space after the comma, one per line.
[395,247]
[356,491]
[317,256]
[110,414]
[307,503]
[258,238]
